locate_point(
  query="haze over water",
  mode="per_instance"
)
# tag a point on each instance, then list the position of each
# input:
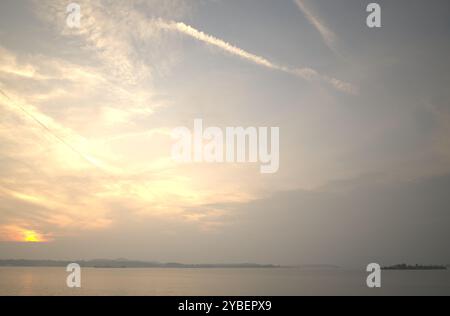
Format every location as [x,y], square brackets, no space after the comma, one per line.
[227,282]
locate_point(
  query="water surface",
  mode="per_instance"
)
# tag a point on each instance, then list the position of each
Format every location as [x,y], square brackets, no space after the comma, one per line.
[228,282]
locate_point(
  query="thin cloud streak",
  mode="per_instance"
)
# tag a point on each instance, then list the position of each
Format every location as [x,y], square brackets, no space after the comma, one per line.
[304,73]
[327,35]
[92,161]
[209,39]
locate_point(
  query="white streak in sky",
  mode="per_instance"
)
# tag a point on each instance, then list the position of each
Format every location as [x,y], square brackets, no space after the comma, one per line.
[305,73]
[211,40]
[327,35]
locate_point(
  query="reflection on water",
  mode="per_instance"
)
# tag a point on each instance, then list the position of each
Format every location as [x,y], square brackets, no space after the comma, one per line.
[270,282]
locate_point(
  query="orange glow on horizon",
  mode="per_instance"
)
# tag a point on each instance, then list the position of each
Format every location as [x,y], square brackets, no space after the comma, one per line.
[23,235]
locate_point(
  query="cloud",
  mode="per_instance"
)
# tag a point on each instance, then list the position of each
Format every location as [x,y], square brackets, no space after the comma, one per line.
[56,182]
[327,35]
[358,220]
[34,118]
[77,139]
[305,73]
[101,31]
[114,31]
[20,234]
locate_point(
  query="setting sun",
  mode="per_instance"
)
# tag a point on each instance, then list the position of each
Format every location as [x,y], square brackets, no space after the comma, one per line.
[14,233]
[31,236]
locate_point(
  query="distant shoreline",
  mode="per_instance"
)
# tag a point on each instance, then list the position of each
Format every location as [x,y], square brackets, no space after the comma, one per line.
[134,264]
[416,267]
[124,264]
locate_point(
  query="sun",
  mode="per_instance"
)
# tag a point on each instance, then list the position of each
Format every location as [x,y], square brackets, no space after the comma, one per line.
[14,233]
[32,236]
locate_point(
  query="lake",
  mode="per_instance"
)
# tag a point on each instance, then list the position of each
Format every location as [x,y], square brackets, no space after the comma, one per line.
[218,282]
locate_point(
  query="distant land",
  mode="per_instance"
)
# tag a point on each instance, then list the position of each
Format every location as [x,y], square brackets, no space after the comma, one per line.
[124,263]
[315,266]
[404,266]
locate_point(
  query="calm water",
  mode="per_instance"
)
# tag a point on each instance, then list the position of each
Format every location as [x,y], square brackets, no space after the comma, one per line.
[187,282]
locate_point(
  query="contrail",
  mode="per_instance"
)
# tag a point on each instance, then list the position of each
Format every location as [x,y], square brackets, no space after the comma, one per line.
[327,35]
[305,73]
[209,39]
[46,128]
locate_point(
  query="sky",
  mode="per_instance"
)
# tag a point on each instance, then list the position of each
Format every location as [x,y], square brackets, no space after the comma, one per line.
[86,116]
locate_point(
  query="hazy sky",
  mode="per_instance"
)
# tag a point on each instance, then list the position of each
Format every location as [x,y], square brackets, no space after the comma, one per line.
[86,117]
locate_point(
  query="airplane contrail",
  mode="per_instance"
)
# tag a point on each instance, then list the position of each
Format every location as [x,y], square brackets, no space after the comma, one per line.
[48,130]
[209,39]
[327,35]
[305,73]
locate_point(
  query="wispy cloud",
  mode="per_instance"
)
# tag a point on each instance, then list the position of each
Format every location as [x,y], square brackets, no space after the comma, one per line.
[305,73]
[57,179]
[59,112]
[107,32]
[94,162]
[327,35]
